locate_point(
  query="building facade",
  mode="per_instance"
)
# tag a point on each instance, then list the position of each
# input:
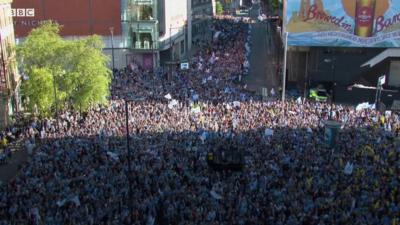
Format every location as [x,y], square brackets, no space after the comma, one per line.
[231,5]
[145,32]
[78,18]
[159,31]
[9,78]
[337,56]
[202,14]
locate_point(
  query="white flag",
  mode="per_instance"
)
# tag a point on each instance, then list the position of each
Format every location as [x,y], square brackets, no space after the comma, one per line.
[168,96]
[299,101]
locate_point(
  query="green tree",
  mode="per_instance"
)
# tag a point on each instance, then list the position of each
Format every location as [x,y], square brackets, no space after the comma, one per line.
[78,70]
[275,4]
[39,89]
[219,9]
[89,77]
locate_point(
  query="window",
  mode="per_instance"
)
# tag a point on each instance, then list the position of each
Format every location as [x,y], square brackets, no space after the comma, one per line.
[146,41]
[145,12]
[142,40]
[134,37]
[182,47]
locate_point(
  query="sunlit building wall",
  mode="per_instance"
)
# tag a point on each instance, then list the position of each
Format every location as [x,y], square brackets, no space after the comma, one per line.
[9,78]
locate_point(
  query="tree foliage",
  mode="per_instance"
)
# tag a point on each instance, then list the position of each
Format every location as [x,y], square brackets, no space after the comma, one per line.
[219,9]
[41,96]
[77,67]
[275,4]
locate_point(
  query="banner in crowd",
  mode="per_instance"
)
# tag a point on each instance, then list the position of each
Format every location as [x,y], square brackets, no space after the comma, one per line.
[343,23]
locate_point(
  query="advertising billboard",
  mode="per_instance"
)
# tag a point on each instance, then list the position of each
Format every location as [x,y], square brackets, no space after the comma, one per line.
[77,17]
[343,23]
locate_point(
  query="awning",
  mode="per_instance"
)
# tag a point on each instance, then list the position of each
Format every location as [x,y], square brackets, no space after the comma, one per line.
[388,53]
[360,86]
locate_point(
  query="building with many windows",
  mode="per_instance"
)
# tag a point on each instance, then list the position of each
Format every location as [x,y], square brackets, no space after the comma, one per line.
[202,13]
[9,78]
[231,5]
[78,18]
[146,32]
[159,31]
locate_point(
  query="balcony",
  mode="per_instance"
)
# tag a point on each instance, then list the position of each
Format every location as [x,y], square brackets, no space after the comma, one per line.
[145,45]
[169,39]
[144,35]
[142,2]
[142,11]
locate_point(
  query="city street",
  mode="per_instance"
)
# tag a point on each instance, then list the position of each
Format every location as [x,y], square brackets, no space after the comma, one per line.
[263,55]
[160,132]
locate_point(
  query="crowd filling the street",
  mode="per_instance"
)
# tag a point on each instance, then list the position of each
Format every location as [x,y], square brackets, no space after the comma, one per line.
[78,173]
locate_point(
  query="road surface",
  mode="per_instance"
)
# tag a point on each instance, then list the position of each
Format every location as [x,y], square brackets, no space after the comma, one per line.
[263,55]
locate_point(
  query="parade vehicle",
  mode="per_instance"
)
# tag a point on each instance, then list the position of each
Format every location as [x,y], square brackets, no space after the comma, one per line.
[319,94]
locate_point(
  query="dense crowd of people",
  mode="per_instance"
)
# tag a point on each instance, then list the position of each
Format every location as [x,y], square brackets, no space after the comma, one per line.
[78,171]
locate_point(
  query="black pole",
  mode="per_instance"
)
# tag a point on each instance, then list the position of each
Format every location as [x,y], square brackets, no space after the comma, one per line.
[377,96]
[378,104]
[170,41]
[306,77]
[112,47]
[129,158]
[278,56]
[55,99]
[333,85]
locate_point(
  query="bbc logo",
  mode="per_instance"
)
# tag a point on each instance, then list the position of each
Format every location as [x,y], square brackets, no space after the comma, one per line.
[23,12]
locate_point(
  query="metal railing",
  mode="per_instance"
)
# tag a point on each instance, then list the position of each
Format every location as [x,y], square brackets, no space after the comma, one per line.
[142,2]
[143,45]
[164,44]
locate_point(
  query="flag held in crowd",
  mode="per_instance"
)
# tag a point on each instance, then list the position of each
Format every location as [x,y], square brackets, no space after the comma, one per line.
[215,195]
[268,132]
[113,155]
[172,103]
[168,96]
[348,169]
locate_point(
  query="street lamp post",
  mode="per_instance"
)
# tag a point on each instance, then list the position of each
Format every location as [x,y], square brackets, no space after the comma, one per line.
[333,67]
[381,81]
[170,41]
[278,53]
[55,94]
[55,98]
[306,77]
[112,47]
[129,156]
[284,67]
